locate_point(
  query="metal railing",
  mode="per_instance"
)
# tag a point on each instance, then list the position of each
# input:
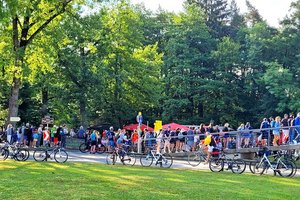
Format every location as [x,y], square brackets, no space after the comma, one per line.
[256,137]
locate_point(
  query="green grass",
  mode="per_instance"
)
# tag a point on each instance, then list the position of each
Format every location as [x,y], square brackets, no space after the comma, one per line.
[32,180]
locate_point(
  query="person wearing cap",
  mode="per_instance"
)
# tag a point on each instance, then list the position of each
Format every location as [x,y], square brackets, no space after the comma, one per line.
[111,138]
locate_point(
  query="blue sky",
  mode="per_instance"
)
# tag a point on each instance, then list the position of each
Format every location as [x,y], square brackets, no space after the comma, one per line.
[271,10]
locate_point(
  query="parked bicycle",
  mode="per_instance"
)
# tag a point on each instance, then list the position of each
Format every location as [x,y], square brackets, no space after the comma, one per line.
[126,157]
[278,165]
[56,153]
[236,165]
[14,151]
[163,160]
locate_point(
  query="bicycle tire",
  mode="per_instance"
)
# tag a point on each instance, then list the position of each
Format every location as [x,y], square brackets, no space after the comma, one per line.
[22,155]
[3,154]
[238,166]
[146,160]
[285,168]
[40,155]
[129,159]
[216,165]
[83,148]
[111,158]
[61,156]
[194,159]
[167,160]
[101,149]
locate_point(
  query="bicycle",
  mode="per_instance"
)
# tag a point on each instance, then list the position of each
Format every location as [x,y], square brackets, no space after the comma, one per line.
[164,160]
[283,167]
[59,154]
[126,158]
[195,158]
[217,164]
[86,147]
[14,151]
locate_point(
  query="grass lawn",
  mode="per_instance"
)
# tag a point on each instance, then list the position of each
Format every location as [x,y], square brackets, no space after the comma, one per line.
[32,180]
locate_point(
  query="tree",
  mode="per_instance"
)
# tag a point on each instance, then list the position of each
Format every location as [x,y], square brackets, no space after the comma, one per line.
[28,19]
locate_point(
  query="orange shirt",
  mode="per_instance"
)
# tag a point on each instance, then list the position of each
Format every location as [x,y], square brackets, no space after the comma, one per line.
[135,137]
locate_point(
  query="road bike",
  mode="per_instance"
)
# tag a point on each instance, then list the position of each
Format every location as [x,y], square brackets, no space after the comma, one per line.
[14,151]
[163,160]
[236,165]
[279,165]
[56,153]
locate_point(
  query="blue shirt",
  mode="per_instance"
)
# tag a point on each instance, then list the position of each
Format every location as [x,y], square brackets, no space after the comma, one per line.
[277,130]
[297,121]
[93,137]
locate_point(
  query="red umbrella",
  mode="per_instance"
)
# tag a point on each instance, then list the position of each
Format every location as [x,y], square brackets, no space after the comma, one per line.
[175,126]
[131,127]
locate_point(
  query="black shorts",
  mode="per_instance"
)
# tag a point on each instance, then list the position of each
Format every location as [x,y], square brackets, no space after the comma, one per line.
[182,140]
[93,143]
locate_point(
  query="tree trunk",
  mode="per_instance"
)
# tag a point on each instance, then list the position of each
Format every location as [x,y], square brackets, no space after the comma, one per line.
[13,100]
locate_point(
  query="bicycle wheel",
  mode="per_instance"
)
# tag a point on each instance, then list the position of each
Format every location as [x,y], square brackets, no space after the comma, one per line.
[101,149]
[166,160]
[111,158]
[146,160]
[238,166]
[39,155]
[129,159]
[61,156]
[3,154]
[22,155]
[83,148]
[216,164]
[195,158]
[285,168]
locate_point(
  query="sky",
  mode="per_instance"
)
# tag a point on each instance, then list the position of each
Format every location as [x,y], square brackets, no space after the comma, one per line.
[271,10]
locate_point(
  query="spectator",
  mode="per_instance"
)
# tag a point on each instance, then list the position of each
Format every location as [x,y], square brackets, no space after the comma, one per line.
[292,129]
[264,133]
[241,135]
[225,135]
[210,144]
[52,135]
[173,140]
[27,135]
[190,139]
[81,132]
[276,132]
[285,123]
[40,136]
[297,123]
[93,142]
[63,136]
[167,139]
[9,133]
[111,138]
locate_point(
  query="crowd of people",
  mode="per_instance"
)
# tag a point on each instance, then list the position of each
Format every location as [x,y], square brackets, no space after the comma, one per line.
[31,136]
[169,140]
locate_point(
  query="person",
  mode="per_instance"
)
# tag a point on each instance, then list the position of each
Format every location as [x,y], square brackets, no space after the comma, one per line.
[159,141]
[173,140]
[147,139]
[52,135]
[134,138]
[210,128]
[276,131]
[46,137]
[190,139]
[167,139]
[111,138]
[297,123]
[121,138]
[72,133]
[285,123]
[209,145]
[27,135]
[93,142]
[81,132]
[241,134]
[177,140]
[9,133]
[248,135]
[292,129]
[63,136]
[35,137]
[225,131]
[40,135]
[202,132]
[264,133]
